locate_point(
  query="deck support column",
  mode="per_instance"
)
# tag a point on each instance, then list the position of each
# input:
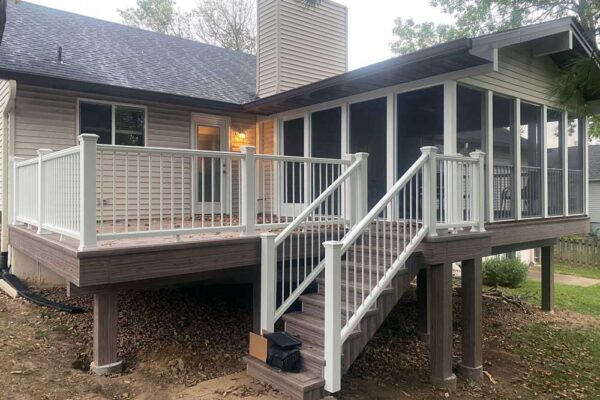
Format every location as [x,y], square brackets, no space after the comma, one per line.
[256,302]
[106,313]
[423,304]
[471,365]
[440,340]
[548,278]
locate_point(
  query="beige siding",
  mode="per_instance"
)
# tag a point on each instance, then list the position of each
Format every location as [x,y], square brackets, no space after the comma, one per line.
[520,75]
[594,199]
[46,118]
[4,97]
[299,45]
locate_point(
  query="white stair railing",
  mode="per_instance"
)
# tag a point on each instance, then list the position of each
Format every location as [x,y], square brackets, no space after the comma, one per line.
[377,248]
[293,259]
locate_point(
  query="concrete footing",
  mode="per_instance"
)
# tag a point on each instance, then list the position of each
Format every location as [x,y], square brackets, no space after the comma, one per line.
[108,369]
[469,373]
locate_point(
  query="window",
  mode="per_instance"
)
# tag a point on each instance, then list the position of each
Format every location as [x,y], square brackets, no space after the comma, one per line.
[554,157]
[469,120]
[113,123]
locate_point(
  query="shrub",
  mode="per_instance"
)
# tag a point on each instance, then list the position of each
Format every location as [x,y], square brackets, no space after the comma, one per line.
[507,272]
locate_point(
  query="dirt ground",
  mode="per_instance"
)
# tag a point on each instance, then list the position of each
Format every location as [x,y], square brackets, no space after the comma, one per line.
[188,343]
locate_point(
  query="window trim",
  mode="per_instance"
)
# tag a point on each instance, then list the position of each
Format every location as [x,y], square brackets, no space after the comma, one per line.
[114,105]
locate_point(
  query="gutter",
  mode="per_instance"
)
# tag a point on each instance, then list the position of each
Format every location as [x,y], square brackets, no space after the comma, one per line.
[7,127]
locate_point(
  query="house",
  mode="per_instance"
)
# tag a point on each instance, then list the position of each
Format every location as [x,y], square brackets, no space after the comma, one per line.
[594,185]
[135,160]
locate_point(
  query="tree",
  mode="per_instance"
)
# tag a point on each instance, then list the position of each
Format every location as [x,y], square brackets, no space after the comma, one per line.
[226,23]
[579,80]
[158,16]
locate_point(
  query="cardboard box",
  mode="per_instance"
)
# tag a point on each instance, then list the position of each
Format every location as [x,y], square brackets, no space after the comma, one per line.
[259,347]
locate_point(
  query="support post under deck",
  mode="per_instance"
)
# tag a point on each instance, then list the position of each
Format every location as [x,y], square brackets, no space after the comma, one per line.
[548,278]
[423,304]
[106,313]
[440,340]
[471,364]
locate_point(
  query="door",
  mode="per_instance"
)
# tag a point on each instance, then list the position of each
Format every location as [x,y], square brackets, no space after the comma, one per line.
[210,133]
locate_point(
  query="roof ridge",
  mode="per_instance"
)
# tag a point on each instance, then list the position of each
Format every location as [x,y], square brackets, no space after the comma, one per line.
[134,28]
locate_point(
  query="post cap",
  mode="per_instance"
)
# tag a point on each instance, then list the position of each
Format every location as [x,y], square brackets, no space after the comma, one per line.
[88,137]
[267,235]
[248,149]
[477,153]
[362,154]
[44,151]
[429,149]
[332,244]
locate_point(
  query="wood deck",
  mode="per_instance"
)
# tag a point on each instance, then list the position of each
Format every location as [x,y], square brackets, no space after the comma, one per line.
[119,262]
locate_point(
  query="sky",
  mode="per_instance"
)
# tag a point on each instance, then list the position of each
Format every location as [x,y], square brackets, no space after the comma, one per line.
[369,28]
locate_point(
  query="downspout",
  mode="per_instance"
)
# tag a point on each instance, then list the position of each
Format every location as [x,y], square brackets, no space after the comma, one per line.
[8,121]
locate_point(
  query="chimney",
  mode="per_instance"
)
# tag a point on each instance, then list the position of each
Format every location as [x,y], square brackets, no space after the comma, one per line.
[298,45]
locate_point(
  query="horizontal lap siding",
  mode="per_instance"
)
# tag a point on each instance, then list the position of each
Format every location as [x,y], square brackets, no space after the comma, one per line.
[299,45]
[520,75]
[594,199]
[46,118]
[4,97]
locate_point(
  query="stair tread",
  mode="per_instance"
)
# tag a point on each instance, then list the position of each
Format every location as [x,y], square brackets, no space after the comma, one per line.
[318,299]
[309,321]
[304,380]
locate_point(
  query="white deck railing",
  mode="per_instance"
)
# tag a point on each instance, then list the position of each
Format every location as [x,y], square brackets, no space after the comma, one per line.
[93,192]
[448,189]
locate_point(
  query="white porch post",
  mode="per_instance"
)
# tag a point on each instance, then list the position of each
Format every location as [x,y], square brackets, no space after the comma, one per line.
[517,157]
[450,148]
[544,159]
[248,187]
[489,132]
[333,316]
[450,89]
[41,198]
[479,191]
[350,193]
[268,282]
[362,183]
[430,190]
[87,176]
[565,150]
[585,167]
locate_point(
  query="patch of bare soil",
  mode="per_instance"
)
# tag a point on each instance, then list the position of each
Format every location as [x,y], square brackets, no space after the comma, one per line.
[188,343]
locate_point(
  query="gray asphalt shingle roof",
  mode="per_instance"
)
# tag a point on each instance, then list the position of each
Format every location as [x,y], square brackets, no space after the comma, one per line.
[107,53]
[594,162]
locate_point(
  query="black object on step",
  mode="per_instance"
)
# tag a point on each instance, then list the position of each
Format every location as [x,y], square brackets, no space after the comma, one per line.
[35,297]
[284,352]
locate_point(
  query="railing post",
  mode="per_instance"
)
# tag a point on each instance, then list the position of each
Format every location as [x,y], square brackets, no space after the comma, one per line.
[350,193]
[248,187]
[430,189]
[41,195]
[479,191]
[362,184]
[87,176]
[333,316]
[268,282]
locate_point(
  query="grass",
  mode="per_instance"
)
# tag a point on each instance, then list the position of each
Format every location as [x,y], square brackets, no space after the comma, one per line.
[570,359]
[587,272]
[575,298]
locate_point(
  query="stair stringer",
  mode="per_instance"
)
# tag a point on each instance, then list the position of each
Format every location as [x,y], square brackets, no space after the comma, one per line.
[371,323]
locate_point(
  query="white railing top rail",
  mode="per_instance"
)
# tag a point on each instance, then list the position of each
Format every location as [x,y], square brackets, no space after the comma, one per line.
[300,219]
[299,159]
[456,157]
[364,224]
[167,150]
[27,162]
[61,153]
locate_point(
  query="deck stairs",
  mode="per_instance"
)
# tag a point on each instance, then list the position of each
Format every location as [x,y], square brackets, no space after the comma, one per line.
[308,326]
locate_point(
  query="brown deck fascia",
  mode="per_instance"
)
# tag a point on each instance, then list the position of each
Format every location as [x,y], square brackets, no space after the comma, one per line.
[159,258]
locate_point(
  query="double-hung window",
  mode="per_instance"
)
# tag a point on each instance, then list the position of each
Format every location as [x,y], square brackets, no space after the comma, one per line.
[118,124]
